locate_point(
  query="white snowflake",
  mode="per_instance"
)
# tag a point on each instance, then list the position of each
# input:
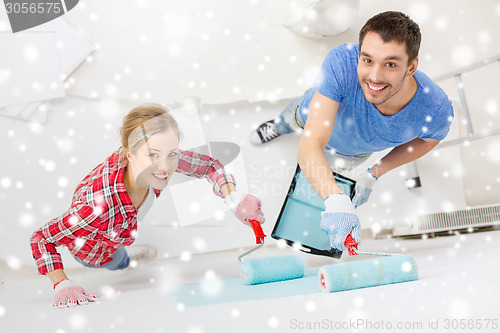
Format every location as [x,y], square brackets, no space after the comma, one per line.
[62,181]
[419,12]
[406,266]
[79,242]
[199,244]
[6,182]
[31,54]
[195,207]
[273,322]
[108,292]
[185,256]
[310,306]
[459,308]
[211,285]
[462,55]
[492,152]
[13,262]
[358,301]
[27,219]
[441,23]
[77,321]
[5,75]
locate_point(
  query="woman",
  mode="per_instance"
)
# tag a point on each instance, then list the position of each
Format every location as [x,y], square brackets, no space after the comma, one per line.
[109,201]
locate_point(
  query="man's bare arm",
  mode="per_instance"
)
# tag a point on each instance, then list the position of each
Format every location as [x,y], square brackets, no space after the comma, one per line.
[316,134]
[403,154]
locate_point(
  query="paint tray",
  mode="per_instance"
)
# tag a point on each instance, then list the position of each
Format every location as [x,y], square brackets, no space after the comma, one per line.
[299,220]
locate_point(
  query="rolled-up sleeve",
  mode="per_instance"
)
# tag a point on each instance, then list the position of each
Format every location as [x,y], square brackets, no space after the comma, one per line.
[77,222]
[203,166]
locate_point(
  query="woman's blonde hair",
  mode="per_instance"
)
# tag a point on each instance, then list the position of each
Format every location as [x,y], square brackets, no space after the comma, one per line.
[142,122]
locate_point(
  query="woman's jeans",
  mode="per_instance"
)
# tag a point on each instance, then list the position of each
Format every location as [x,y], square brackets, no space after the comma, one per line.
[120,261]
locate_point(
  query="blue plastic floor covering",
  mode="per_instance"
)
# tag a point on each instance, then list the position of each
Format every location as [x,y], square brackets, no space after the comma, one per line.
[300,223]
[232,289]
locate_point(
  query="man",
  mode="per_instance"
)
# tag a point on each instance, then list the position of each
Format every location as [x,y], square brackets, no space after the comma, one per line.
[368,97]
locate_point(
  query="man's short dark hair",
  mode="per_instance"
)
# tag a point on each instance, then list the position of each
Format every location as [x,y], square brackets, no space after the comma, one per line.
[394,26]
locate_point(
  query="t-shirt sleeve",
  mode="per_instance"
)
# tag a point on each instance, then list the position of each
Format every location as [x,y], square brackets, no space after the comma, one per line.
[331,80]
[440,124]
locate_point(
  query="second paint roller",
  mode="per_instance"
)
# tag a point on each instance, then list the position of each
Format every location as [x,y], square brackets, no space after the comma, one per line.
[269,269]
[387,269]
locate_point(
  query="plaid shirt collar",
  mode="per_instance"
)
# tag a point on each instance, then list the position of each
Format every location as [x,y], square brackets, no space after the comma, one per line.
[123,199]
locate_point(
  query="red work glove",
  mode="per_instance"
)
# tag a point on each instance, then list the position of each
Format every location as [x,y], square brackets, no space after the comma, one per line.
[68,295]
[245,207]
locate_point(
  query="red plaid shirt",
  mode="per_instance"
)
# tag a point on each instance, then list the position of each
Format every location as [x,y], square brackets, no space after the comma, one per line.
[102,217]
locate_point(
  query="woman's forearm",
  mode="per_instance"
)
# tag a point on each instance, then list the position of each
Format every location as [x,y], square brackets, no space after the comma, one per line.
[227,188]
[57,275]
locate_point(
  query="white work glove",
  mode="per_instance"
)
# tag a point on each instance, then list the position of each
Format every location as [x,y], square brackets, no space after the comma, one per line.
[339,220]
[363,188]
[68,295]
[245,207]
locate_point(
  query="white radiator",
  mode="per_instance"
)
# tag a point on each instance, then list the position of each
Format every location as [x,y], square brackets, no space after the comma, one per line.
[477,217]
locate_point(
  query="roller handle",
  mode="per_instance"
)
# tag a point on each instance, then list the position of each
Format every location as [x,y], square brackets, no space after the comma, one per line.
[257,230]
[352,245]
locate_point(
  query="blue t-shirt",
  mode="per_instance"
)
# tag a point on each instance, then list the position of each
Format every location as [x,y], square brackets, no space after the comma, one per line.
[359,127]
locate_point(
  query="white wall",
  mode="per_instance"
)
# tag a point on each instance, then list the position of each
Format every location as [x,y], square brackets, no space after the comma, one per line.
[224,52]
[224,56]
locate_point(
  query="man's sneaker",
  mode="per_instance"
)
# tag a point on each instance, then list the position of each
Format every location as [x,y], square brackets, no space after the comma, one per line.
[141,252]
[264,133]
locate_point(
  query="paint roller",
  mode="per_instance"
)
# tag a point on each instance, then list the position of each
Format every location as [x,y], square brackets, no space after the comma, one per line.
[387,269]
[268,269]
